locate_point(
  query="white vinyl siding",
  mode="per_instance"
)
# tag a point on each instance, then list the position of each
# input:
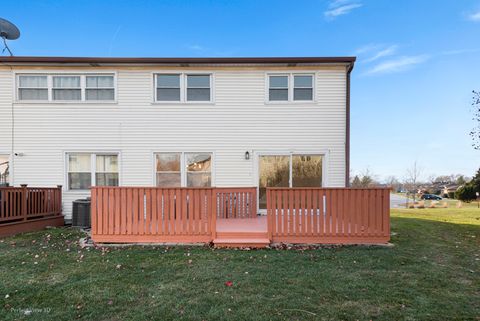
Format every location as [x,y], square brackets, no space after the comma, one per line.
[136,129]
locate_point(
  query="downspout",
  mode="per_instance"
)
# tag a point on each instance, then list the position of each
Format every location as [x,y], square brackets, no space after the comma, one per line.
[347,128]
[12,153]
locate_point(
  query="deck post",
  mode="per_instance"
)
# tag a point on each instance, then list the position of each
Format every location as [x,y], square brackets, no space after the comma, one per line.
[213,222]
[59,201]
[24,201]
[269,214]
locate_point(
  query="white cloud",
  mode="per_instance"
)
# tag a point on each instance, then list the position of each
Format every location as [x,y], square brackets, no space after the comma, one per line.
[474,16]
[196,47]
[367,49]
[398,64]
[341,7]
[459,51]
[388,51]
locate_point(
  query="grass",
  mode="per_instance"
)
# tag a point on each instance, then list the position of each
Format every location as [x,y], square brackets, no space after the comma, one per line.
[432,273]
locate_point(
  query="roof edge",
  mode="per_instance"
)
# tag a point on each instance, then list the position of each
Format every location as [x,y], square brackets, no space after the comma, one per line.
[176,60]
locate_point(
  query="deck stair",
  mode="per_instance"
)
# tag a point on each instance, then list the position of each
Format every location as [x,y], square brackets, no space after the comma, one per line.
[250,232]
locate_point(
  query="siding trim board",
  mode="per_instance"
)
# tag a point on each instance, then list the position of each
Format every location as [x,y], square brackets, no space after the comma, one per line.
[347,127]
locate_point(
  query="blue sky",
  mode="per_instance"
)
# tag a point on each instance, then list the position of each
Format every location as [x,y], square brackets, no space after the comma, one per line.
[418,60]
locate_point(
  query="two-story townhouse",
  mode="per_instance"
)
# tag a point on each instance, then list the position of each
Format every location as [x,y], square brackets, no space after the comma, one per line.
[81,122]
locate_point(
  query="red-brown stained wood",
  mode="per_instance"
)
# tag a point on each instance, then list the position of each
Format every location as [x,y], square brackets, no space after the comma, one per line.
[148,210]
[135,214]
[123,211]
[100,212]
[116,216]
[344,215]
[295,215]
[93,211]
[111,211]
[129,211]
[308,211]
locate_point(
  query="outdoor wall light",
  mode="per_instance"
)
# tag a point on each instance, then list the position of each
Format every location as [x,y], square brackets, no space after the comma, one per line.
[247,155]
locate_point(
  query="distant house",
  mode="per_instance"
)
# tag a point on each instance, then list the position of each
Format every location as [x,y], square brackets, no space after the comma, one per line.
[447,189]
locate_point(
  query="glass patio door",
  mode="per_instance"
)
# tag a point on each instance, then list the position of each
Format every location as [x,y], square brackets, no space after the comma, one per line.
[290,170]
[273,171]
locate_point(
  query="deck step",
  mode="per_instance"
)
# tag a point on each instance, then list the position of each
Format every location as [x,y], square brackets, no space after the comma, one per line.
[241,242]
[242,235]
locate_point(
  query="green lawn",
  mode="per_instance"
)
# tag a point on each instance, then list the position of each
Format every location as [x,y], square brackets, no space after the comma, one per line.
[432,273]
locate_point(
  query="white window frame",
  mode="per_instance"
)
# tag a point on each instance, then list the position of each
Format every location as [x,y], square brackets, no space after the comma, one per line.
[17,87]
[100,88]
[183,87]
[183,169]
[290,154]
[50,88]
[93,167]
[291,87]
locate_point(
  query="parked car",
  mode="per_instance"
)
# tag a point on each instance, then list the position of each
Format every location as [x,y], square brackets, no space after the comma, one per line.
[431,197]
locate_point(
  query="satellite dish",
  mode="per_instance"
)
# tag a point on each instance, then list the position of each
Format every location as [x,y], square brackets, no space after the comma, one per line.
[8,31]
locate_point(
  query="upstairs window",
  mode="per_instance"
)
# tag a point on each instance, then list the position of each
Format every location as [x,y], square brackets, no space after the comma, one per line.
[65,88]
[290,87]
[32,87]
[278,89]
[100,88]
[168,87]
[303,88]
[198,87]
[183,88]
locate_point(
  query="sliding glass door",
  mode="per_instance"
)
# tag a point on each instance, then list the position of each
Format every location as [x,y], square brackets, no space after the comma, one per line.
[273,171]
[288,170]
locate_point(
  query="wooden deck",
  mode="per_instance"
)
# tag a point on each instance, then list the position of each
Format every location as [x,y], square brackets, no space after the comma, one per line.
[226,216]
[26,209]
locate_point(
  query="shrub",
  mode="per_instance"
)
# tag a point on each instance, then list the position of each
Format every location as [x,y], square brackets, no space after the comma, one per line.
[466,193]
[451,195]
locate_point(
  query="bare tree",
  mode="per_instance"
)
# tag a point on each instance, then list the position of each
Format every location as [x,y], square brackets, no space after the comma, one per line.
[475,133]
[365,179]
[412,179]
[394,183]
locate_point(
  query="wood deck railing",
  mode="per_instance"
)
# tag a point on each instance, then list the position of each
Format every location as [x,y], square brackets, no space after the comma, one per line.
[328,215]
[150,214]
[29,208]
[26,203]
[189,215]
[238,202]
